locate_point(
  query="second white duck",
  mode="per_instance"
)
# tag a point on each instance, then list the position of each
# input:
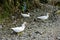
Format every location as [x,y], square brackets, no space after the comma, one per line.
[25,15]
[44,17]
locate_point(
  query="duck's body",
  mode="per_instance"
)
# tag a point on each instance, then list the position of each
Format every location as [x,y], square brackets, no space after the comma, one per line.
[44,17]
[25,15]
[19,29]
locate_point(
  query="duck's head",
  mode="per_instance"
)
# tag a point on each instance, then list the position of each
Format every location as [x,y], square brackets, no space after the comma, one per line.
[25,23]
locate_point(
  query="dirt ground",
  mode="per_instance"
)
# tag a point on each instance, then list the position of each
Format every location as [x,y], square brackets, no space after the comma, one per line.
[35,30]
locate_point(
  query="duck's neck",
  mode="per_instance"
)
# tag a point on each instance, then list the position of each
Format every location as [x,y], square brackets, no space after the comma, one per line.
[23,25]
[47,15]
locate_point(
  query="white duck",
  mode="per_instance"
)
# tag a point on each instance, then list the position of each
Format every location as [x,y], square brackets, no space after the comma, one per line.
[19,29]
[44,17]
[25,15]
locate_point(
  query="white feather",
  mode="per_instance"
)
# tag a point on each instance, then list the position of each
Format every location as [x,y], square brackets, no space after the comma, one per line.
[44,17]
[19,29]
[25,15]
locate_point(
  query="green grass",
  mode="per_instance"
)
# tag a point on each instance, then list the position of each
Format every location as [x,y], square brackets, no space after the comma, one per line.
[4,15]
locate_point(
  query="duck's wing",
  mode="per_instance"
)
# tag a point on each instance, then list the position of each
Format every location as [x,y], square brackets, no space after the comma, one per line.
[42,17]
[15,28]
[23,14]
